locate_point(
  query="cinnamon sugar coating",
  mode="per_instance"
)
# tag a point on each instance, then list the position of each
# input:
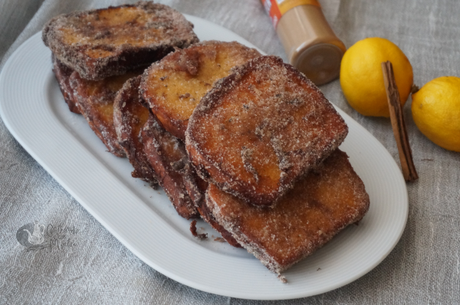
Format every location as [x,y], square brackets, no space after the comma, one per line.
[175,85]
[129,116]
[166,154]
[196,188]
[209,218]
[95,101]
[62,74]
[260,129]
[111,41]
[320,205]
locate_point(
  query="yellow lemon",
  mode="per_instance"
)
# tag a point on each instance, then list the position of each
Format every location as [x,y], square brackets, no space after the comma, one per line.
[361,75]
[436,111]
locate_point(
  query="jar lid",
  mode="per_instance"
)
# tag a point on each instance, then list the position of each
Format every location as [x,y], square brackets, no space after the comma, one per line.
[319,62]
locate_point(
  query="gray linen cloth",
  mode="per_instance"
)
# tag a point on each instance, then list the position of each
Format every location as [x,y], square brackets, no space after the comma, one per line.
[423,268]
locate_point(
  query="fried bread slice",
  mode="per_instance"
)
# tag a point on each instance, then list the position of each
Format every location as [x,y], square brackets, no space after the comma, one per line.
[95,101]
[175,85]
[167,157]
[320,205]
[176,175]
[62,74]
[196,188]
[129,116]
[207,216]
[260,129]
[111,41]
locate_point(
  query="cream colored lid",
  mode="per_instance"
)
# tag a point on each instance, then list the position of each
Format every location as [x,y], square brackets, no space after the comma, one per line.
[319,62]
[311,45]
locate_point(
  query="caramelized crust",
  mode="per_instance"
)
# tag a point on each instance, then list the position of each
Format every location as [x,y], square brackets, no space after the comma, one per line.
[95,101]
[209,218]
[175,85]
[167,157]
[176,175]
[323,203]
[62,74]
[196,188]
[129,116]
[260,129]
[111,41]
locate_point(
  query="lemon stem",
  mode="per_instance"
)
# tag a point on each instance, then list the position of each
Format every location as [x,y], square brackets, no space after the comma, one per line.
[414,89]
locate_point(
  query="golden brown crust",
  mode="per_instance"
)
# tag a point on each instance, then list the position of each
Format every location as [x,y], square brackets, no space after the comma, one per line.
[95,101]
[209,218]
[321,204]
[111,41]
[196,188]
[62,74]
[129,116]
[167,156]
[174,86]
[260,129]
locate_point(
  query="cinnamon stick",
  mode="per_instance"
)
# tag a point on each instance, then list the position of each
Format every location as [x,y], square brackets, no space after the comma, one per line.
[398,124]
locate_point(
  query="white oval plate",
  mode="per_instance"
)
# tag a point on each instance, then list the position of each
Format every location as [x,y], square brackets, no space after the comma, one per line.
[34,111]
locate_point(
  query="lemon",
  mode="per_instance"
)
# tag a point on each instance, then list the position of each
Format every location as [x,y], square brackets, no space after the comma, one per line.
[361,75]
[436,111]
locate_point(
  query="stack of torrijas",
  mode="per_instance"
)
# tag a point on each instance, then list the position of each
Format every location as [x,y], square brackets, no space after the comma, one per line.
[95,52]
[245,141]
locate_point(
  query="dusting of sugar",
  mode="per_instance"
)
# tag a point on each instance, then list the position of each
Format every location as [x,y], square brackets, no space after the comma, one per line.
[305,218]
[95,100]
[174,86]
[167,156]
[111,41]
[268,108]
[129,118]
